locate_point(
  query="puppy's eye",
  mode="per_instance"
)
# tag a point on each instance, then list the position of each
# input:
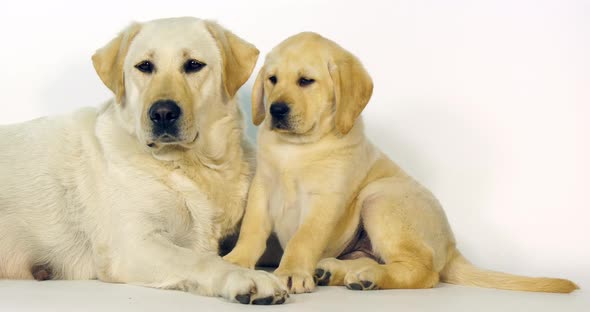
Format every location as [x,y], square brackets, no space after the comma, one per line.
[193,66]
[145,67]
[273,79]
[304,82]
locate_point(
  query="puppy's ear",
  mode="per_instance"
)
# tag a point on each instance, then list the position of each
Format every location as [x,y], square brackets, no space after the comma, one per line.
[258,111]
[353,88]
[108,60]
[239,57]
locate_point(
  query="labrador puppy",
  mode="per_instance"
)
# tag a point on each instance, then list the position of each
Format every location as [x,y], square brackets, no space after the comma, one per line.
[140,190]
[344,213]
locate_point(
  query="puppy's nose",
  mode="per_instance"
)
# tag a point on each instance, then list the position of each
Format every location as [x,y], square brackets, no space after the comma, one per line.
[164,112]
[279,109]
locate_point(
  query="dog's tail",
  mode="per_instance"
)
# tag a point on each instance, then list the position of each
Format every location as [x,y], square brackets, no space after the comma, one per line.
[460,272]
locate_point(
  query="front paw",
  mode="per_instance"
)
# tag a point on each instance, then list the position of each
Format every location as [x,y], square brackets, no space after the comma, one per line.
[254,287]
[297,281]
[239,259]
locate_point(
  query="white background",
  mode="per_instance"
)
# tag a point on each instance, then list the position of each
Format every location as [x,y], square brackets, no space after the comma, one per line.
[487,103]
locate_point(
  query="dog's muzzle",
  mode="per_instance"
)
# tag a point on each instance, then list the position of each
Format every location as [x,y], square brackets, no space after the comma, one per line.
[164,115]
[280,115]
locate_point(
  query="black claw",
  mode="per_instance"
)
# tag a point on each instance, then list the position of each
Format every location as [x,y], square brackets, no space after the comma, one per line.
[243,299]
[354,286]
[325,280]
[315,279]
[263,301]
[280,301]
[289,282]
[319,273]
[367,284]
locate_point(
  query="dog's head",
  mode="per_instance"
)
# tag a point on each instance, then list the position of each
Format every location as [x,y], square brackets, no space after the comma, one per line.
[166,74]
[310,84]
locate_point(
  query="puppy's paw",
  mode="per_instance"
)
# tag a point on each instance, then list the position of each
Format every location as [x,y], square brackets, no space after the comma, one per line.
[322,277]
[330,272]
[239,259]
[367,279]
[254,287]
[297,282]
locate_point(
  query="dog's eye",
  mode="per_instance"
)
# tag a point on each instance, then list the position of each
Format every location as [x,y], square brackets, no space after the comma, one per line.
[273,79]
[304,82]
[145,67]
[193,66]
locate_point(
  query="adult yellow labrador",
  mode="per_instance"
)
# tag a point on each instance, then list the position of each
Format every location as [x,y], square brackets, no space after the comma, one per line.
[341,209]
[140,190]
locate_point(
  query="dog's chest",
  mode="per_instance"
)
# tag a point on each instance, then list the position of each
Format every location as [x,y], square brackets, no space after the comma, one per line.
[288,208]
[288,200]
[211,194]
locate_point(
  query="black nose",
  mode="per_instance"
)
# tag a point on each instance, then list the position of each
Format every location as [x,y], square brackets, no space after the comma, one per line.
[279,109]
[164,112]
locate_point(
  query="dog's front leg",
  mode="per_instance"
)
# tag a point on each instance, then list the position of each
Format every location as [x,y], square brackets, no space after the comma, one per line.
[305,248]
[155,261]
[256,227]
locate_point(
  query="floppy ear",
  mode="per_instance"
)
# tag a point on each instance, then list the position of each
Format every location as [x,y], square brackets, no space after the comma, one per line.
[108,61]
[353,88]
[258,112]
[239,57]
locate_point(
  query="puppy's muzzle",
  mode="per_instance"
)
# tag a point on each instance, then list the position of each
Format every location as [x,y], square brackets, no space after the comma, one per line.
[164,115]
[280,113]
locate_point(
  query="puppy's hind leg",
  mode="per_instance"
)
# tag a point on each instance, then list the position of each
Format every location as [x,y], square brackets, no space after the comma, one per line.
[408,260]
[396,275]
[332,271]
[405,270]
[361,272]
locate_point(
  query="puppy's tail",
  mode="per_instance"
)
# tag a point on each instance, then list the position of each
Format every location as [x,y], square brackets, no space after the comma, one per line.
[460,272]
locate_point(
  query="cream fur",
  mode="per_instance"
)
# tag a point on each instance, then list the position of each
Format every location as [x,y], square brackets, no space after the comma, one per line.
[316,181]
[85,195]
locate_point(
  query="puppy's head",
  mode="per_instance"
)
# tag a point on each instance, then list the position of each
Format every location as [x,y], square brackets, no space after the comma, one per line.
[168,74]
[310,84]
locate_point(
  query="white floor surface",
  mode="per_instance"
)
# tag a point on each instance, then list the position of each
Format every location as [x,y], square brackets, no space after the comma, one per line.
[97,296]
